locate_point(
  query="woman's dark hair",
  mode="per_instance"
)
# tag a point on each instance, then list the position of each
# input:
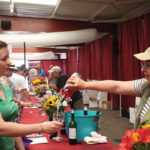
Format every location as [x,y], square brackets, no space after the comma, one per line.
[3,44]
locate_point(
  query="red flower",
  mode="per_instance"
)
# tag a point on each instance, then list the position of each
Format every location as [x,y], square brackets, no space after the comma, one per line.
[124,146]
[127,141]
[144,135]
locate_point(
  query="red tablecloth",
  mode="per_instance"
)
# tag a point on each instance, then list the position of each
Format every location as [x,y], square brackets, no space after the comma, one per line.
[32,115]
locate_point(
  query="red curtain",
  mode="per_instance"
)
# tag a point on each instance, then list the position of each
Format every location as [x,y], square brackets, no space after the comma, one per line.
[71,63]
[95,59]
[84,62]
[131,41]
[147,29]
[45,64]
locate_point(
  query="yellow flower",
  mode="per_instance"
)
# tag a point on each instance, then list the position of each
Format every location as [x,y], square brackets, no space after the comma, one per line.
[135,137]
[46,107]
[146,126]
[51,102]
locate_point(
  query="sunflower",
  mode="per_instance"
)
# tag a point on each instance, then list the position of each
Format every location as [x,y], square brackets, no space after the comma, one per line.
[51,102]
[46,107]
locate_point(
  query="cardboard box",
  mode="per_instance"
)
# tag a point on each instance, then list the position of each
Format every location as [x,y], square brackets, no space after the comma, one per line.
[106,105]
[92,98]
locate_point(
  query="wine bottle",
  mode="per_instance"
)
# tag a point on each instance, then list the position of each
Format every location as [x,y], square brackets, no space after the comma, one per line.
[97,113]
[72,130]
[67,91]
[85,110]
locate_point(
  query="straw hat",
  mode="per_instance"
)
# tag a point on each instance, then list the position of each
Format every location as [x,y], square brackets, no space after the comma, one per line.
[55,69]
[143,56]
[12,66]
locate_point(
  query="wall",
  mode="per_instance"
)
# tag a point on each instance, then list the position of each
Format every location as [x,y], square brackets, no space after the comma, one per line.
[38,50]
[52,25]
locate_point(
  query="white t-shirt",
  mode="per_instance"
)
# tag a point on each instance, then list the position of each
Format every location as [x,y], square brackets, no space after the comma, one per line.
[20,84]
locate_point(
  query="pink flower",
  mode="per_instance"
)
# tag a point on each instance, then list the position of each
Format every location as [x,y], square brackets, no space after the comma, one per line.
[41,99]
[68,99]
[46,96]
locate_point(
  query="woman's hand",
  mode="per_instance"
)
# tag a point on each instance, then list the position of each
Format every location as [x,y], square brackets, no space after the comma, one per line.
[51,127]
[25,104]
[76,83]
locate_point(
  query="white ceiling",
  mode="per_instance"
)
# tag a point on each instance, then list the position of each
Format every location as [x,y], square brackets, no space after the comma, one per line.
[84,10]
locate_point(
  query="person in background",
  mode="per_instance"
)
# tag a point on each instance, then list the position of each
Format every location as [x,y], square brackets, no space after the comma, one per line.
[140,88]
[52,80]
[25,73]
[77,99]
[19,80]
[41,72]
[5,79]
[9,110]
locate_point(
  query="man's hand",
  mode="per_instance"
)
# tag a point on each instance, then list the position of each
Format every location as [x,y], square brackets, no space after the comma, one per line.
[76,83]
[53,86]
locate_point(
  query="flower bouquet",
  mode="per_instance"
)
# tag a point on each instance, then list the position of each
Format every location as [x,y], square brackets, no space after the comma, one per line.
[40,90]
[51,104]
[139,140]
[39,80]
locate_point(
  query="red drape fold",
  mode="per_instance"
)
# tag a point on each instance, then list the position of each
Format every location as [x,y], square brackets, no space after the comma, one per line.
[95,59]
[147,29]
[71,63]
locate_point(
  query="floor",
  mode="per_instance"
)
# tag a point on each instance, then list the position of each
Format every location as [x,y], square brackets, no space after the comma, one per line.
[113,126]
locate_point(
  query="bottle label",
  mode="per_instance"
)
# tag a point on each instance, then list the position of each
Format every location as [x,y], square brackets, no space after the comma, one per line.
[72,133]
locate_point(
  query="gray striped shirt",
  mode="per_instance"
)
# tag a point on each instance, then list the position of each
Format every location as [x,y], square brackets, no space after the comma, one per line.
[139,88]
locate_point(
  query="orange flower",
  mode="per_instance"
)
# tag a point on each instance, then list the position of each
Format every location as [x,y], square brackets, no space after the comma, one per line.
[135,137]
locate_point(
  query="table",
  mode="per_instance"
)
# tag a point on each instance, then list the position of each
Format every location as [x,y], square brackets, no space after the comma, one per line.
[32,115]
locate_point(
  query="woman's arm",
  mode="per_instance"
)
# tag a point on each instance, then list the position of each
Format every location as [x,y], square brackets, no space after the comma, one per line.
[25,104]
[14,129]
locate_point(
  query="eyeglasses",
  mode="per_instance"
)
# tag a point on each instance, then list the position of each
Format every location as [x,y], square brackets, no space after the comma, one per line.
[145,66]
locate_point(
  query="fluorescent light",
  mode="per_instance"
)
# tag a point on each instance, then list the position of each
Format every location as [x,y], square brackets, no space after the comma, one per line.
[4,0]
[41,2]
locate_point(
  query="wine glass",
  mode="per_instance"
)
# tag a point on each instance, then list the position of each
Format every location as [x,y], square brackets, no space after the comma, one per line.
[58,116]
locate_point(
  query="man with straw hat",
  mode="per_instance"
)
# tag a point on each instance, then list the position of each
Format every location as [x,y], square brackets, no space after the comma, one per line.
[140,88]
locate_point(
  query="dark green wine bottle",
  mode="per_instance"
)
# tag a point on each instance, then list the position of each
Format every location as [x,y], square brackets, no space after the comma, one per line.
[72,130]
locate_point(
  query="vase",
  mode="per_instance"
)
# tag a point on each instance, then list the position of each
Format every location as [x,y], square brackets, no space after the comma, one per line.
[50,118]
[51,135]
